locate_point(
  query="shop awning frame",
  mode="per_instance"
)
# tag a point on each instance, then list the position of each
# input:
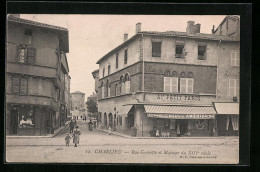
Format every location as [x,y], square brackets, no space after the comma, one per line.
[227,108]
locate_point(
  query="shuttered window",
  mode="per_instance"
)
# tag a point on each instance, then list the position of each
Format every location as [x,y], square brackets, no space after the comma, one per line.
[233,87]
[171,84]
[19,85]
[26,54]
[186,85]
[235,59]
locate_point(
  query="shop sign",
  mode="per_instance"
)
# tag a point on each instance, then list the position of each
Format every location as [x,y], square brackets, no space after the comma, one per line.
[182,116]
[178,97]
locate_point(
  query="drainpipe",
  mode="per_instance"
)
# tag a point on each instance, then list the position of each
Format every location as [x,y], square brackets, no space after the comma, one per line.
[143,80]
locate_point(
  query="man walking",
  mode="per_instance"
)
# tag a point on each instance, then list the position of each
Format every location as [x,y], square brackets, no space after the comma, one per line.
[72,125]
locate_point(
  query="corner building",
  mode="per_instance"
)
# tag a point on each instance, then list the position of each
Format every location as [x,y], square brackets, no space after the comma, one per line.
[165,81]
[37,77]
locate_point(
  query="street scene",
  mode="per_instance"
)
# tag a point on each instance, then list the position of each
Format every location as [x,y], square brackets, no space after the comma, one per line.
[98,147]
[122,89]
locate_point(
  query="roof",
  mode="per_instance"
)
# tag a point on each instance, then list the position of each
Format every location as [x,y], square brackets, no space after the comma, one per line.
[202,36]
[95,71]
[227,17]
[63,32]
[77,92]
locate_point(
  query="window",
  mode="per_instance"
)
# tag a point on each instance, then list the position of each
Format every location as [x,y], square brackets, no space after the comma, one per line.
[103,72]
[28,36]
[156,49]
[26,118]
[26,54]
[19,85]
[200,124]
[125,57]
[122,85]
[234,55]
[179,51]
[186,85]
[102,90]
[202,52]
[108,70]
[108,89]
[115,89]
[120,120]
[234,87]
[127,84]
[116,60]
[117,120]
[171,84]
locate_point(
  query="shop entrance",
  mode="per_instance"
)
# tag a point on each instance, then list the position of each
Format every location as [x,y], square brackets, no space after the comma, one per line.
[14,121]
[183,124]
[131,119]
[110,120]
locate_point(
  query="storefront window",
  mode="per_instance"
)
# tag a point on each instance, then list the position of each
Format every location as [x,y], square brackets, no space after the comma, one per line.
[161,124]
[200,124]
[26,118]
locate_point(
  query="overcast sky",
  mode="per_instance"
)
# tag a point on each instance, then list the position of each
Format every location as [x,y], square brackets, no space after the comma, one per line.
[92,36]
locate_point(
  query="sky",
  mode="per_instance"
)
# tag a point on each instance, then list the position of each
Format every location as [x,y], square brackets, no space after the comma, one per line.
[92,36]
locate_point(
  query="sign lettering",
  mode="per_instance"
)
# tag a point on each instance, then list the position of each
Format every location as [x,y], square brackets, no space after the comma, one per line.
[182,116]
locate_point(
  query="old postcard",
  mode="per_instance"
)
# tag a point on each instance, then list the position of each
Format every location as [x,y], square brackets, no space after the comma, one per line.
[155,89]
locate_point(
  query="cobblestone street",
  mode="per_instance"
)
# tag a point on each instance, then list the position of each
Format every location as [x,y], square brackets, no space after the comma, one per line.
[100,147]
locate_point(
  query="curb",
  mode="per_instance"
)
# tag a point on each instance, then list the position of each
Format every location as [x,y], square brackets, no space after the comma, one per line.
[126,136]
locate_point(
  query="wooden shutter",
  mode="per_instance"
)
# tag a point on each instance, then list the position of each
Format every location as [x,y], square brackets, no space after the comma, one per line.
[232,84]
[167,84]
[174,85]
[31,55]
[233,58]
[23,86]
[15,85]
[237,87]
[190,86]
[183,85]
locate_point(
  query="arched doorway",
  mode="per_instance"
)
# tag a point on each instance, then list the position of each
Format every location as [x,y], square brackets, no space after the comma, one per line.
[110,120]
[105,119]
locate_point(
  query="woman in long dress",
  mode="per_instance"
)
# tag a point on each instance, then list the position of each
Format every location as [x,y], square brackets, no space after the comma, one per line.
[76,134]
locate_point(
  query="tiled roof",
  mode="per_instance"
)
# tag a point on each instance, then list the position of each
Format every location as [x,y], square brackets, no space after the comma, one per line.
[30,22]
[196,35]
[203,36]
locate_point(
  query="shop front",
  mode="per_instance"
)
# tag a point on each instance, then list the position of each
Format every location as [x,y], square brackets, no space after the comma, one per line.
[227,119]
[180,120]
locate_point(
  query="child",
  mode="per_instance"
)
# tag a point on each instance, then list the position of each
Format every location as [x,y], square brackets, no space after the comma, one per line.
[67,139]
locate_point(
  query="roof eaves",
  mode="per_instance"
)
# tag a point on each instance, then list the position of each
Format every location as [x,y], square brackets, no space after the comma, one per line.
[118,47]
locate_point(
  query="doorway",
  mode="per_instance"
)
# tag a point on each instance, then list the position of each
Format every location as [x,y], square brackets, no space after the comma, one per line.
[14,121]
[183,123]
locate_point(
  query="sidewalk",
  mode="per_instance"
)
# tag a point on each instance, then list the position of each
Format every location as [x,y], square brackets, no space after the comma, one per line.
[130,137]
[56,132]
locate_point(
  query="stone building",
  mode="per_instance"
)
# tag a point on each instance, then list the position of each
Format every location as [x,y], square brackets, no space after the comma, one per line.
[78,106]
[37,77]
[166,82]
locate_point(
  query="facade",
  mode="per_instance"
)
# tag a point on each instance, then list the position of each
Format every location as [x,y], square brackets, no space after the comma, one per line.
[168,82]
[37,77]
[78,105]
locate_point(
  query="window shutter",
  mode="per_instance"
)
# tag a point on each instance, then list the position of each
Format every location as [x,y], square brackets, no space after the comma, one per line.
[31,54]
[237,87]
[103,92]
[108,93]
[174,85]
[23,86]
[232,87]
[15,85]
[183,85]
[190,86]
[167,82]
[237,59]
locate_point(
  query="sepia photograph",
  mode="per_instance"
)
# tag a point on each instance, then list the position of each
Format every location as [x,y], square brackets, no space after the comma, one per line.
[125,89]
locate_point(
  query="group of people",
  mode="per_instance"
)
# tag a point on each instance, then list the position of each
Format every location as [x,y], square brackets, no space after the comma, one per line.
[74,129]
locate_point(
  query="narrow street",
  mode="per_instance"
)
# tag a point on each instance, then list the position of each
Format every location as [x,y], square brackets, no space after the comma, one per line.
[100,147]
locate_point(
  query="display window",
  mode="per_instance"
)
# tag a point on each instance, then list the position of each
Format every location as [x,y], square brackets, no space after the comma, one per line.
[200,124]
[26,118]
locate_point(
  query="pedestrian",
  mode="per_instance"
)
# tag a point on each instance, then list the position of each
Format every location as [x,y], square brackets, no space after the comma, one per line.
[67,139]
[109,130]
[76,134]
[178,130]
[72,125]
[157,134]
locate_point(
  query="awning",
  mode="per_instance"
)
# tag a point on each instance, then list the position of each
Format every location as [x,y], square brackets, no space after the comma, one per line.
[180,112]
[124,110]
[227,108]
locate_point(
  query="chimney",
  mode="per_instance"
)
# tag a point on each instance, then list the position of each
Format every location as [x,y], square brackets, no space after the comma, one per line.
[138,27]
[190,25]
[213,29]
[196,28]
[125,37]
